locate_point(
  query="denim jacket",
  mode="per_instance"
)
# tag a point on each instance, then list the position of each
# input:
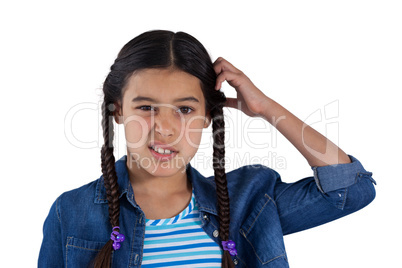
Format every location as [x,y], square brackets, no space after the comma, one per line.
[262,207]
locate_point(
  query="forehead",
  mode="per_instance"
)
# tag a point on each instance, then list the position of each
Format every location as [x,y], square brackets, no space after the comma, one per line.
[163,84]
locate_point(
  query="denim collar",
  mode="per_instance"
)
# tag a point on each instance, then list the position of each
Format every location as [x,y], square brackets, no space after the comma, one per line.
[204,188]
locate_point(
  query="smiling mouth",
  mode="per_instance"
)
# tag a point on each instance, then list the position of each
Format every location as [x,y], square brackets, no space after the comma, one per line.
[162,151]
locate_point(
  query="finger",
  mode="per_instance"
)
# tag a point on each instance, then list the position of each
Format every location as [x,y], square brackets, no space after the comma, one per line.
[221,78]
[230,77]
[221,65]
[219,59]
[231,102]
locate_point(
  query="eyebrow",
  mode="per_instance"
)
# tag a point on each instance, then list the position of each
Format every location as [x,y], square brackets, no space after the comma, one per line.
[142,98]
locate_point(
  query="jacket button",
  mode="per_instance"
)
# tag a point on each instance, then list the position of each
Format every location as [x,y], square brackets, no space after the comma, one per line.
[215,233]
[205,217]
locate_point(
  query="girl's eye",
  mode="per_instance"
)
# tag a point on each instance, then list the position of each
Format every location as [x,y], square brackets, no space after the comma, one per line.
[185,110]
[146,108]
[149,108]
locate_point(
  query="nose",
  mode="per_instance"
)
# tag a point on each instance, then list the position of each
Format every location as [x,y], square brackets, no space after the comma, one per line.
[164,123]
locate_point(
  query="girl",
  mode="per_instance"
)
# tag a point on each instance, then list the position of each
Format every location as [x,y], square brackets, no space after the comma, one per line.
[152,209]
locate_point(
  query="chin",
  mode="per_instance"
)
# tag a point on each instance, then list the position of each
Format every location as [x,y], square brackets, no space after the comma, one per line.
[162,170]
[157,167]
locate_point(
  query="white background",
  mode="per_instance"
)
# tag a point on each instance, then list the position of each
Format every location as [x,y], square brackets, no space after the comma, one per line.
[306,55]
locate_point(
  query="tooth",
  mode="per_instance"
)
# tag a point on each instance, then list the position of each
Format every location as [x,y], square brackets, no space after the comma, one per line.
[167,151]
[161,151]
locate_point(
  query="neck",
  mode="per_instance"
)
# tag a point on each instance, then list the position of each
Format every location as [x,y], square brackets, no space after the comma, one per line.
[160,197]
[145,183]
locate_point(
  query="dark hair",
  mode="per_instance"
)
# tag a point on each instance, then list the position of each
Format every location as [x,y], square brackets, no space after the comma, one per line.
[163,49]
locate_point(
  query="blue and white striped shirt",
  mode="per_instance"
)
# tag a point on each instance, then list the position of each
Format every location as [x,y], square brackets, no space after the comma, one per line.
[179,242]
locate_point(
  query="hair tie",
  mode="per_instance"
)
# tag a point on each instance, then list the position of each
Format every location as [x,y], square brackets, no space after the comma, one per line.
[230,246]
[116,237]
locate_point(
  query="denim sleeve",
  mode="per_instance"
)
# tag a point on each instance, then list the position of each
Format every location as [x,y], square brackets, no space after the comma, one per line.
[333,192]
[51,251]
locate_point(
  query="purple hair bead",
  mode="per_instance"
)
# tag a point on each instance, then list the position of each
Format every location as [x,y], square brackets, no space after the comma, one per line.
[120,237]
[233,252]
[116,245]
[230,246]
[116,237]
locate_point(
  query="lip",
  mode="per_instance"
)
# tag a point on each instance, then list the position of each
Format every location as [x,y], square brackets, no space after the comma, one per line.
[162,145]
[162,157]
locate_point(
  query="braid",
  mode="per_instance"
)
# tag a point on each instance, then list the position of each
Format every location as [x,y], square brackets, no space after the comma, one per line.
[102,260]
[218,130]
[108,168]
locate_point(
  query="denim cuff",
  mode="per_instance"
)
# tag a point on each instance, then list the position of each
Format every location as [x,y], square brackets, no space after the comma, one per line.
[339,176]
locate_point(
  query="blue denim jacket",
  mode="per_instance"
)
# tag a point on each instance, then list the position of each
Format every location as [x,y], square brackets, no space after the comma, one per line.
[262,207]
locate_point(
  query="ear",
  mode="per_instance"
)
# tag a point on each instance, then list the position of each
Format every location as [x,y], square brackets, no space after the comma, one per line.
[118,113]
[208,120]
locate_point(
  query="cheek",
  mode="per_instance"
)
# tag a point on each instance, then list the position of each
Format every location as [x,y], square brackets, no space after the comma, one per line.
[136,130]
[193,133]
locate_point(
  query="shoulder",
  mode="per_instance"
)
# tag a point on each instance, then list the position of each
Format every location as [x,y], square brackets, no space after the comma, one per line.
[254,170]
[79,199]
[252,176]
[246,178]
[83,192]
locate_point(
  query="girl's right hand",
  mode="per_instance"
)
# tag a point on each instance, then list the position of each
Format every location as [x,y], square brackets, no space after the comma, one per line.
[250,99]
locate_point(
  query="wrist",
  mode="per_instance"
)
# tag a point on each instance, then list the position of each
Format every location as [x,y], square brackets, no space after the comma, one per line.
[270,110]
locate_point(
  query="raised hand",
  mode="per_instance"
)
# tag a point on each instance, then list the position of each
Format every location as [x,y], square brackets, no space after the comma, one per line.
[250,99]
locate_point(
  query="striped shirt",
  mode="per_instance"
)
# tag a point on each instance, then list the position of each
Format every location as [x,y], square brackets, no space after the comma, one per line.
[179,242]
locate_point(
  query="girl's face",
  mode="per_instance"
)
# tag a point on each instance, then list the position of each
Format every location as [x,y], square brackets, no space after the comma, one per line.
[163,112]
